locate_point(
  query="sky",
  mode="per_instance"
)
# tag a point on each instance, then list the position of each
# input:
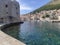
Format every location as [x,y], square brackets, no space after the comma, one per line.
[27,6]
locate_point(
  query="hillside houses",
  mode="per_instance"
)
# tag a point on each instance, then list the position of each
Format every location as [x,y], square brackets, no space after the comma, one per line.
[46,14]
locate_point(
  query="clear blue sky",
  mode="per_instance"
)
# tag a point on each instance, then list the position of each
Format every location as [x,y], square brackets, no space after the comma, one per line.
[27,6]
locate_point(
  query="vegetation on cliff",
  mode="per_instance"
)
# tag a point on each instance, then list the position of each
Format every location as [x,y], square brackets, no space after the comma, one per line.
[47,7]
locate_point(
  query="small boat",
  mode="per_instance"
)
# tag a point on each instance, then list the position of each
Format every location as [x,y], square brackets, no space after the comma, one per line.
[21,22]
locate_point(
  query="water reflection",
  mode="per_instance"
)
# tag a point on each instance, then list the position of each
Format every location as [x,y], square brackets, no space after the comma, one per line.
[40,33]
[36,33]
[12,31]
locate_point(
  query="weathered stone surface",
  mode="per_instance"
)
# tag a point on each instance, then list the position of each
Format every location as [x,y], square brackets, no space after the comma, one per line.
[8,40]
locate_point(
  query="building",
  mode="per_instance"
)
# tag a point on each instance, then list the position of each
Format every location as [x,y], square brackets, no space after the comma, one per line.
[9,11]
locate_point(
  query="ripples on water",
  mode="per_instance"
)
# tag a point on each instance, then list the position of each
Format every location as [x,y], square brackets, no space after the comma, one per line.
[36,33]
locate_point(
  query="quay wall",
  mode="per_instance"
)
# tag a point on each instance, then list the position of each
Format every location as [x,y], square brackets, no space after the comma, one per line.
[6,39]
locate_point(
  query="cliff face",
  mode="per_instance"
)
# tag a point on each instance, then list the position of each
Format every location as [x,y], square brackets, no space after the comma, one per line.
[54,4]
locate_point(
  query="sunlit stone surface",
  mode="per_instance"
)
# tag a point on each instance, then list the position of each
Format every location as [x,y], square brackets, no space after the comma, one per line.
[7,40]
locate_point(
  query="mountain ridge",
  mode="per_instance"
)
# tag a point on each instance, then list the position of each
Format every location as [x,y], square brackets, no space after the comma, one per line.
[54,4]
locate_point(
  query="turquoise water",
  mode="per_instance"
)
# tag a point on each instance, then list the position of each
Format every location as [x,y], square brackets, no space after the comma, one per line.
[36,33]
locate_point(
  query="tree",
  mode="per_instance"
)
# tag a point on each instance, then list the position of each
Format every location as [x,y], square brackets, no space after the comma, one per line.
[43,17]
[47,15]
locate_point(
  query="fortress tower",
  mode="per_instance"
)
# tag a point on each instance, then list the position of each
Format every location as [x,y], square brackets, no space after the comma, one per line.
[9,11]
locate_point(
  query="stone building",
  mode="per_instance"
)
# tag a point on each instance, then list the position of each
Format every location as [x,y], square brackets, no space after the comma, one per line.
[9,11]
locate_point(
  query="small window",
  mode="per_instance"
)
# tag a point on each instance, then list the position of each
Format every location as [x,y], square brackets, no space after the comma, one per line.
[16,7]
[6,12]
[6,6]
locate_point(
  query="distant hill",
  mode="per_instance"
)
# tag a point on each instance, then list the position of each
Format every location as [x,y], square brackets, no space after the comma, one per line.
[54,4]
